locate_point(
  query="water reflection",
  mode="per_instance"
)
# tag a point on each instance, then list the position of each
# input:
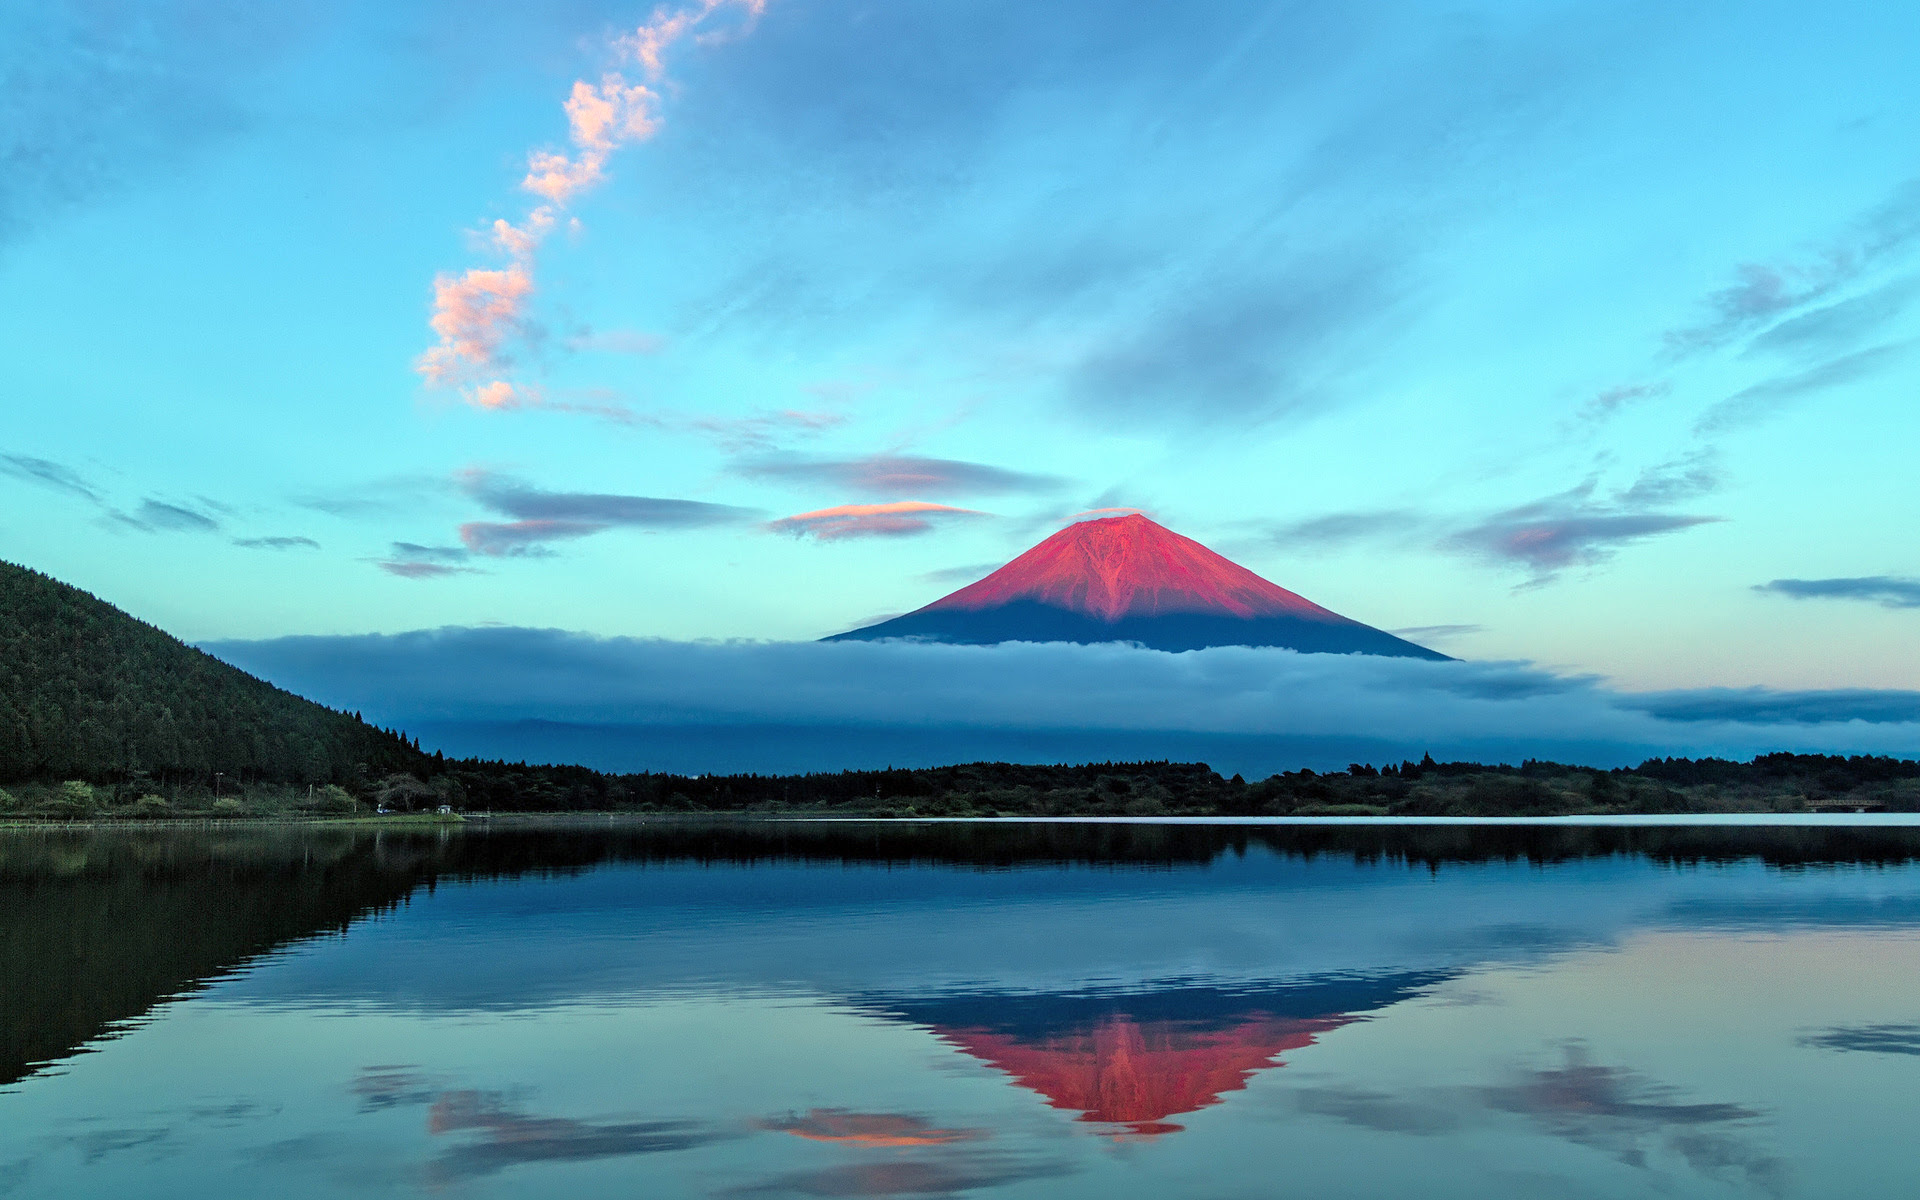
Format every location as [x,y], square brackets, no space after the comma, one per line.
[1132,1060]
[861,1011]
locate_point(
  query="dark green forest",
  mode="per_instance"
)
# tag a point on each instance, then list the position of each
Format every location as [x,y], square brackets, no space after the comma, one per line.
[105,717]
[90,693]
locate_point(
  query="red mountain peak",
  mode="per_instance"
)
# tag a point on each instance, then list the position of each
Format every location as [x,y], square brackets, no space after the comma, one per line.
[1129,566]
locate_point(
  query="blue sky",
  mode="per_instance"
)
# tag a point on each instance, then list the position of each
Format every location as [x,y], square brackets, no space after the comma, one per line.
[1555,331]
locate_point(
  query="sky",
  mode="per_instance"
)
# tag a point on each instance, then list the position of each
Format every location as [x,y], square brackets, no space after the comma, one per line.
[1574,334]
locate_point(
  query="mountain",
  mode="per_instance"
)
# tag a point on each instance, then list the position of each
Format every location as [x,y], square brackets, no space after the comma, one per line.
[88,692]
[1128,579]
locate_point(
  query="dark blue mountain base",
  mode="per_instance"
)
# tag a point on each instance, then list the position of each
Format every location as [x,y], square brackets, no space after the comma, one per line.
[1026,621]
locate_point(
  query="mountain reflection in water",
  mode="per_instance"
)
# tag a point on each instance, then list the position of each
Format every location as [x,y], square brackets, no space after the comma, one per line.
[1133,1060]
[713,1010]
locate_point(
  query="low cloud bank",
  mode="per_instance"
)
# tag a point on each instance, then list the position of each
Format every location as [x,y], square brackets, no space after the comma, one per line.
[628,703]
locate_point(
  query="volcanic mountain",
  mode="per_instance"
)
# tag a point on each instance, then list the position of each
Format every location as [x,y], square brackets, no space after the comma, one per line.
[1128,579]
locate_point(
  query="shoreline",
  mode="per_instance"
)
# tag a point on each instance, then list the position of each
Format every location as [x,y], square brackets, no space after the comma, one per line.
[466,822]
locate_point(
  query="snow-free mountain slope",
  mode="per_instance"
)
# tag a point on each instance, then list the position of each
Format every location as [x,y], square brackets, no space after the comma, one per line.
[1128,579]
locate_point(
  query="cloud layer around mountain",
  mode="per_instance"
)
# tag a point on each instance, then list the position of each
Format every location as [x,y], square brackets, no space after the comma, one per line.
[625,703]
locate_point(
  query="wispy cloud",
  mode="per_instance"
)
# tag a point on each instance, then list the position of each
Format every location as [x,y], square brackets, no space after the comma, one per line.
[1583,526]
[1869,1039]
[541,517]
[1579,528]
[869,1130]
[277,543]
[1432,633]
[1837,327]
[421,570]
[896,476]
[1623,1114]
[1548,537]
[754,431]
[899,519]
[480,312]
[48,474]
[1888,591]
[1762,293]
[1764,399]
[411,560]
[172,518]
[1756,705]
[1611,400]
[508,1137]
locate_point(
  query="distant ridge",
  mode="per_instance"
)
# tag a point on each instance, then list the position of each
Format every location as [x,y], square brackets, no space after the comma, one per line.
[1129,579]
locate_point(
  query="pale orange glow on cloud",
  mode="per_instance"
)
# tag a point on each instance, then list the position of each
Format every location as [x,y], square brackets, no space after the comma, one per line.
[900,518]
[477,313]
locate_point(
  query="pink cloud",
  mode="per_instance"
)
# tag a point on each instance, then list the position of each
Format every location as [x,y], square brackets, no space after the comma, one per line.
[476,313]
[902,518]
[520,539]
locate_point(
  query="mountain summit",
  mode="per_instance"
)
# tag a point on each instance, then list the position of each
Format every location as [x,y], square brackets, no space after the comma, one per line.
[1128,579]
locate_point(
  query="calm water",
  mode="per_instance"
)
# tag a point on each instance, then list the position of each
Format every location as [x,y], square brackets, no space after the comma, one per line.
[1097,1011]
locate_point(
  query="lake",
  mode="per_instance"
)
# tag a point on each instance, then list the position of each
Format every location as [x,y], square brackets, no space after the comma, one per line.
[1007,1010]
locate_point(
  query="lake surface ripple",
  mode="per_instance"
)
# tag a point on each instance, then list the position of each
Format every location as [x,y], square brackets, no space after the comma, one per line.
[854,1010]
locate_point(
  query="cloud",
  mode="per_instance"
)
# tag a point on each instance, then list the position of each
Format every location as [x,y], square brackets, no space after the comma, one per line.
[1246,709]
[1888,591]
[757,431]
[523,539]
[541,517]
[510,1137]
[947,1176]
[172,518]
[902,518]
[1834,328]
[479,312]
[894,476]
[1382,1112]
[1622,1113]
[1763,293]
[277,543]
[474,314]
[1547,542]
[1763,705]
[1575,529]
[421,570]
[1870,1039]
[1429,633]
[48,475]
[415,552]
[1762,400]
[410,560]
[1684,478]
[868,1130]
[514,499]
[1613,399]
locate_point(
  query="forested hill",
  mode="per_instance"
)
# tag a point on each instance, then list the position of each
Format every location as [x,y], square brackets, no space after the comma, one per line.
[88,692]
